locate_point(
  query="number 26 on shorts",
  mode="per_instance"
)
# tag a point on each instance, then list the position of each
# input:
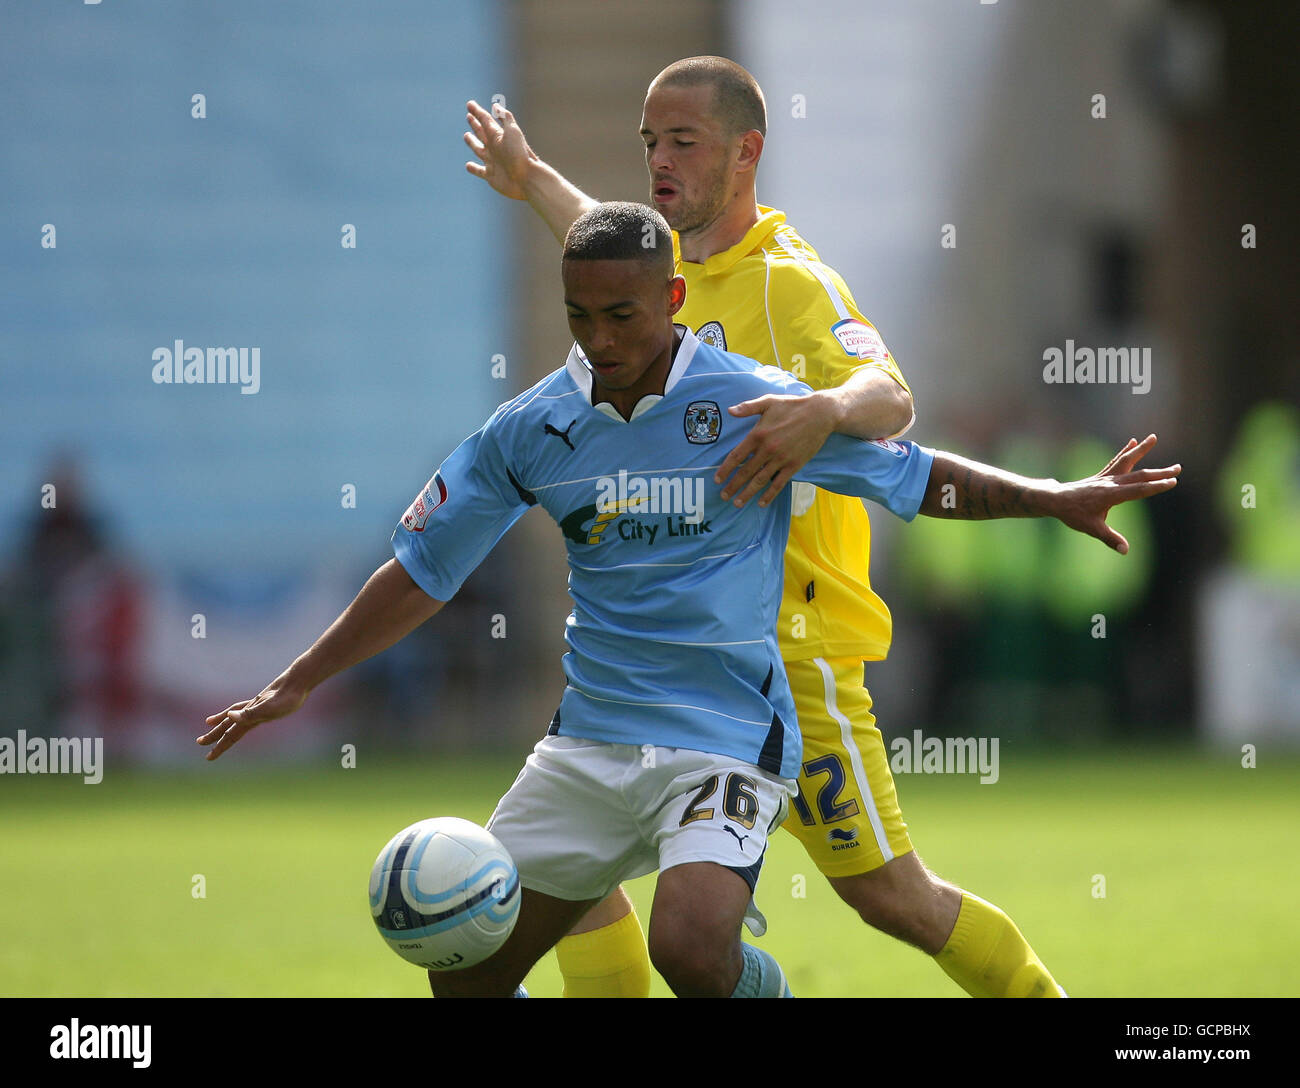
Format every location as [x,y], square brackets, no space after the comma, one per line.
[739,801]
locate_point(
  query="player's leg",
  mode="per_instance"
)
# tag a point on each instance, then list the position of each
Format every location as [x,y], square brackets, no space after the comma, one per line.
[605,954]
[988,956]
[543,920]
[903,899]
[848,819]
[975,943]
[709,818]
[695,935]
[569,836]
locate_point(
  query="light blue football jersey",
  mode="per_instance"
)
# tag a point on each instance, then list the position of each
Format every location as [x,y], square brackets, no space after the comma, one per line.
[672,638]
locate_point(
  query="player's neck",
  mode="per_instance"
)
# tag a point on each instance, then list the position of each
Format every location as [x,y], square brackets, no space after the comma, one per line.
[652,383]
[723,233]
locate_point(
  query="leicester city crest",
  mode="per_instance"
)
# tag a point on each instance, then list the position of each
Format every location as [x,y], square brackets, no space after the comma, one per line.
[703,422]
[711,333]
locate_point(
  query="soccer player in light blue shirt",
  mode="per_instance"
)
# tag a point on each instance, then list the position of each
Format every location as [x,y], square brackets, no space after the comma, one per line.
[675,591]
[675,734]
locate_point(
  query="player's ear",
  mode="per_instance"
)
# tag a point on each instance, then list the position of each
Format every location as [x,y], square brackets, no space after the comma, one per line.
[676,294]
[751,150]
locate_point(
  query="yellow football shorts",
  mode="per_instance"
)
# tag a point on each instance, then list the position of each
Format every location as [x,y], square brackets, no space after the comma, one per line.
[846,814]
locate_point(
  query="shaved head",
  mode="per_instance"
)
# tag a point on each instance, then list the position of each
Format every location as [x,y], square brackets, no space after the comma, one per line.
[622,231]
[737,100]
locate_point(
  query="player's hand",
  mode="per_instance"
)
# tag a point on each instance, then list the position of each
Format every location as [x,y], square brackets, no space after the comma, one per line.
[277,700]
[789,434]
[503,152]
[1084,504]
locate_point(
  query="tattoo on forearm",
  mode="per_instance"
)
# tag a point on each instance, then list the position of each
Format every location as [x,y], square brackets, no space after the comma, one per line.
[989,496]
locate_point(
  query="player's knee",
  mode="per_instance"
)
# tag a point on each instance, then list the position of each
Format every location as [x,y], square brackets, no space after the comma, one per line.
[903,899]
[694,963]
[690,976]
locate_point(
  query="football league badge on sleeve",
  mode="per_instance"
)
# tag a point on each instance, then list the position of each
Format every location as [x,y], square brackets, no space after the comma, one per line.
[703,422]
[426,502]
[860,341]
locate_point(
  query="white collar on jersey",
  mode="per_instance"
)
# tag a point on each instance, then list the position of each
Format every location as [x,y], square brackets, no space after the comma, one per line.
[580,371]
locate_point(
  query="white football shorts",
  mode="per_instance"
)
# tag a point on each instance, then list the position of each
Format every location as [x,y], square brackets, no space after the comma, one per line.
[584,815]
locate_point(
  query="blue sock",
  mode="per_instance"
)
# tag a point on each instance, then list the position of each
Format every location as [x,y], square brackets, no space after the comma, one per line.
[762,976]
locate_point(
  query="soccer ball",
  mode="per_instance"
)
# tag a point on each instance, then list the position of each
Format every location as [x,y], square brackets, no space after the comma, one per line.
[444,894]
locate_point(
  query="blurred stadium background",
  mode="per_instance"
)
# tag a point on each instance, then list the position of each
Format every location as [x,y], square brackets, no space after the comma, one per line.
[166,549]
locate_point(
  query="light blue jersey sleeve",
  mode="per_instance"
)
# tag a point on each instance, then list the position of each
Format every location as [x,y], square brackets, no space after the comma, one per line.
[459,515]
[894,474]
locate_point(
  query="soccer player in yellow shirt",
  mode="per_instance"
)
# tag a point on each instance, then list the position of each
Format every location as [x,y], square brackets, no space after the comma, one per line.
[756,288]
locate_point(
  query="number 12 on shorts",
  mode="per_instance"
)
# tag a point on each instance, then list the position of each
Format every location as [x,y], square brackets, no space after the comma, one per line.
[829,806]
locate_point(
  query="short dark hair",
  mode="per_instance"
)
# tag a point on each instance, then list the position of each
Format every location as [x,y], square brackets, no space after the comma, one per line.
[737,98]
[621,231]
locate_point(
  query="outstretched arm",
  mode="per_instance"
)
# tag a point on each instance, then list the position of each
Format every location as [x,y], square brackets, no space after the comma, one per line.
[389,607]
[512,168]
[969,491]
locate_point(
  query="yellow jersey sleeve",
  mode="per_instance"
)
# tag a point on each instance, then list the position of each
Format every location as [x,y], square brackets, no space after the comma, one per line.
[817,328]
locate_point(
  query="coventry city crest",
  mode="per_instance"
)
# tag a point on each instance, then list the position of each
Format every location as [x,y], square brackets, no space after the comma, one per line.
[703,422]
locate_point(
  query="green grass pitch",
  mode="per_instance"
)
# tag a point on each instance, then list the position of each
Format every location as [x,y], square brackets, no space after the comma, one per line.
[1197,856]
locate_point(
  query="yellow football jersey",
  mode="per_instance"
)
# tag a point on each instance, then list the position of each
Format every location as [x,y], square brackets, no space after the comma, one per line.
[770,297]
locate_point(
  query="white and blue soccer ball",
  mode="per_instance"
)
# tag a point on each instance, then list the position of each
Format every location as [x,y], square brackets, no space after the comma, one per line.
[444,894]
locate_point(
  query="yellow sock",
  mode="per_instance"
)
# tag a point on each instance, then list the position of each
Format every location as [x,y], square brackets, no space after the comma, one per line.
[987,957]
[608,962]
